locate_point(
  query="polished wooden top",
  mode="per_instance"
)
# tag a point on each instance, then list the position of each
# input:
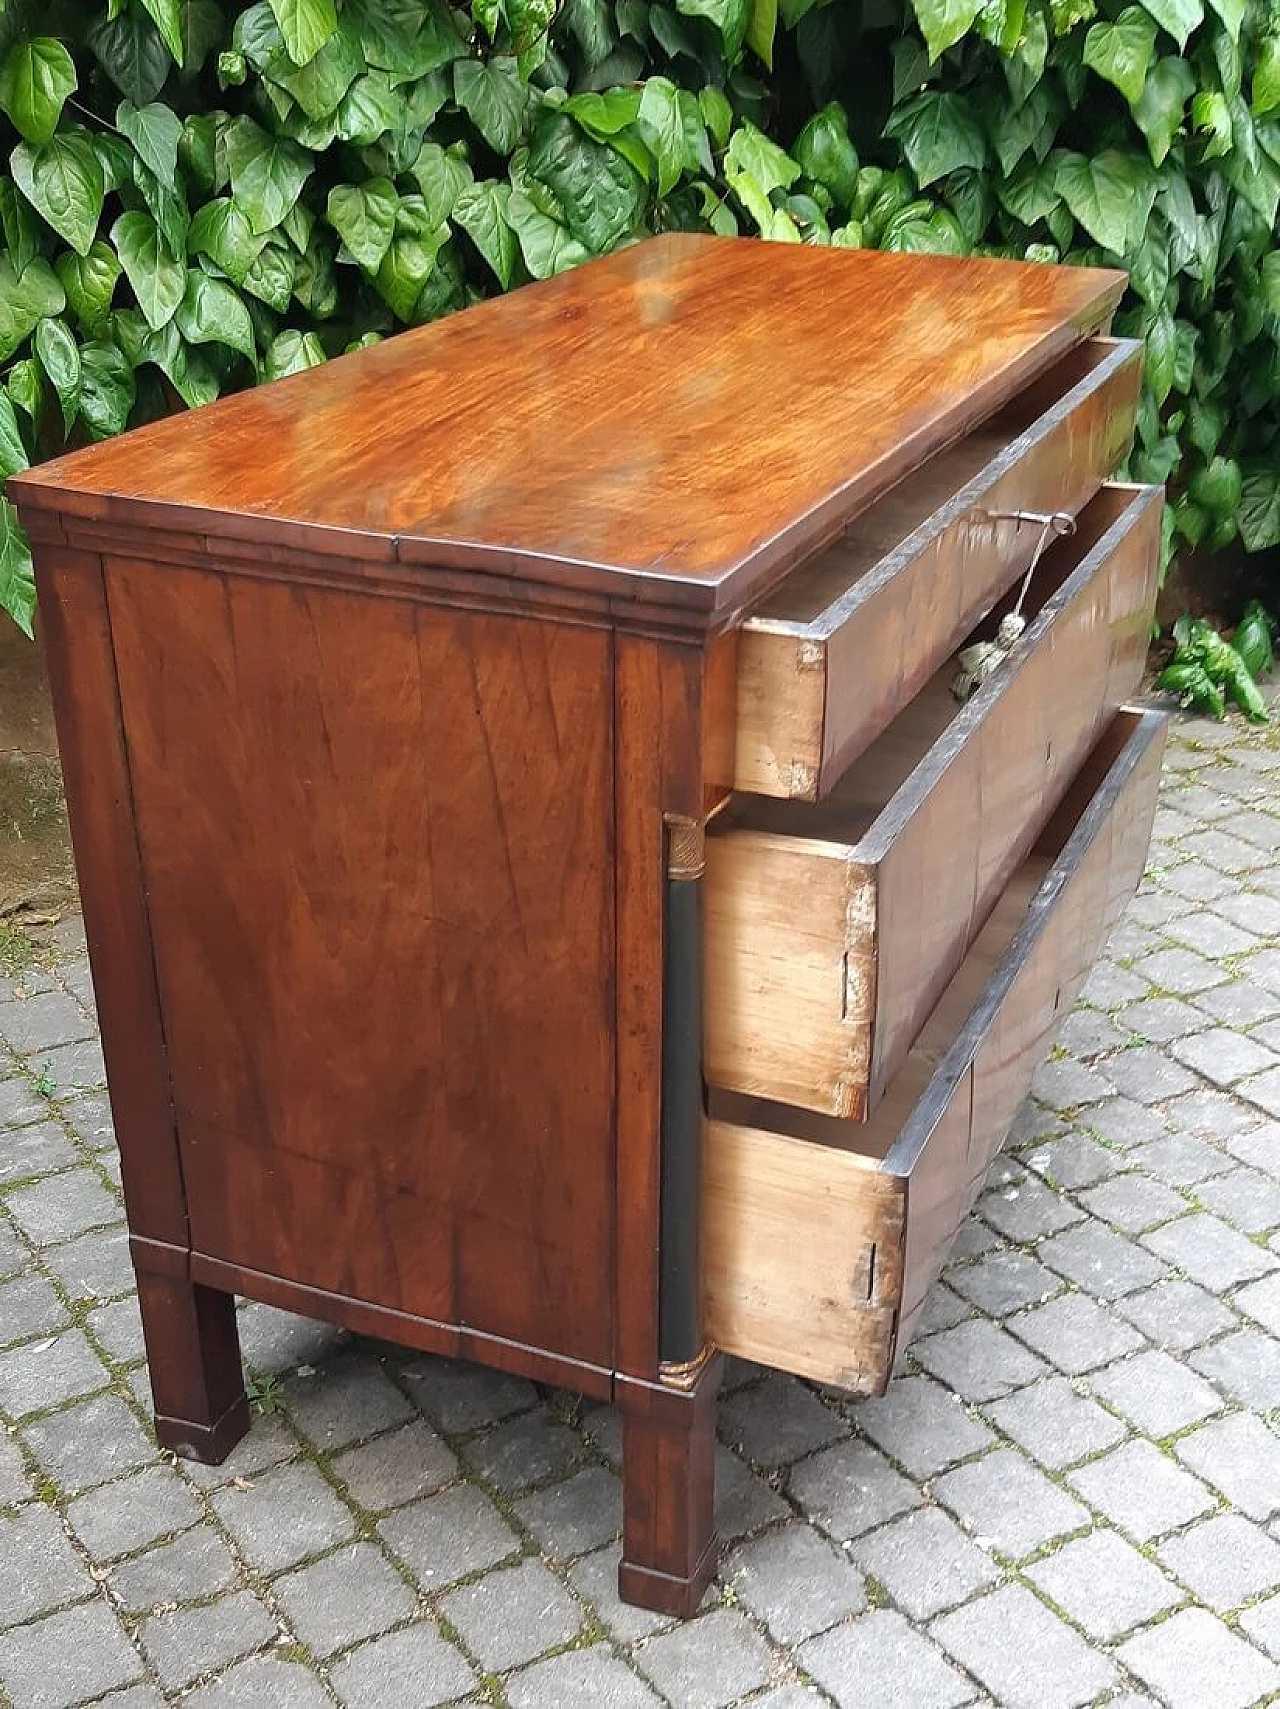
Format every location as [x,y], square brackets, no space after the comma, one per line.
[676,424]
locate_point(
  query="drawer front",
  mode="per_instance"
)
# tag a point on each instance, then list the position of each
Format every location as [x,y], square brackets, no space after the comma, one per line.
[851,638]
[824,958]
[819,1242]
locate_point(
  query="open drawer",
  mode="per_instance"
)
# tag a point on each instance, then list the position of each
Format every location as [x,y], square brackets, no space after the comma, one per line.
[821,1237]
[847,640]
[832,928]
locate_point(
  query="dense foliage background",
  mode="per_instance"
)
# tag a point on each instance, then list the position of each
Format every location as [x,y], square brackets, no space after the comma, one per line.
[200,194]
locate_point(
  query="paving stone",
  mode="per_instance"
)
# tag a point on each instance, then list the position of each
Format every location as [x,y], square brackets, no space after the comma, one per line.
[43,1022]
[1226,1561]
[45,1374]
[263,1682]
[39,1570]
[1065,1084]
[595,1578]
[922,1425]
[1023,1654]
[1258,1146]
[1026,1209]
[37,1150]
[72,1067]
[1261,1623]
[1263,1090]
[89,1118]
[97,1266]
[573,1517]
[85,1445]
[1105,1585]
[1163,1018]
[268,1443]
[1192,1659]
[1245,1365]
[524,1451]
[789,1697]
[76,1656]
[925,1562]
[580,1679]
[464,1397]
[1156,1393]
[744,1502]
[1086,1032]
[15,1486]
[973,1240]
[1075,1333]
[124,1516]
[117,1328]
[29,1307]
[20,1103]
[274,1341]
[707,1662]
[1229,854]
[1223,1055]
[1261,1300]
[880,1662]
[448,1536]
[189,1642]
[1239,1003]
[1240,1457]
[345,1401]
[1246,1198]
[1181,971]
[1004,1282]
[1176,1314]
[343,1598]
[1198,883]
[64,1205]
[942,1308]
[283,1516]
[849,1488]
[1210,1114]
[1210,1251]
[1100,1261]
[778,1421]
[1147,1075]
[13,1254]
[1005,1503]
[979,1360]
[603,1426]
[396,1468]
[795,1582]
[416,1666]
[1210,934]
[1124,1122]
[1109,985]
[507,1618]
[1141,1490]
[1034,1124]
[1055,1424]
[194,1566]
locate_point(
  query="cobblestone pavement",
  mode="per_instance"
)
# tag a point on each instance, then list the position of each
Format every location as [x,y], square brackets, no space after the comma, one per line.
[1070,1497]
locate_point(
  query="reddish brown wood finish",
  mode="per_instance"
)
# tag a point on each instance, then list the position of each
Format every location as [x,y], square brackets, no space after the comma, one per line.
[651,427]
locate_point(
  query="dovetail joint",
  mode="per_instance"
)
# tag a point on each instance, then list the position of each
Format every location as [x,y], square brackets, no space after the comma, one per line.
[686,847]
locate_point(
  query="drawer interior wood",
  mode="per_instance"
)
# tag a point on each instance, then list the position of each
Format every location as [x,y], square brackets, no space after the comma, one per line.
[826,662]
[879,1202]
[833,927]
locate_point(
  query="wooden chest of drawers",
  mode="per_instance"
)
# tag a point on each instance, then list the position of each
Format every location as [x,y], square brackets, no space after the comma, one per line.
[546,903]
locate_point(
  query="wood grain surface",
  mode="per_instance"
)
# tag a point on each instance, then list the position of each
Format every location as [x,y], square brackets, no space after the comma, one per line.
[678,423]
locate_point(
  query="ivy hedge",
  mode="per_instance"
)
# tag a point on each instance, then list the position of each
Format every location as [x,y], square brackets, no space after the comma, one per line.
[201,194]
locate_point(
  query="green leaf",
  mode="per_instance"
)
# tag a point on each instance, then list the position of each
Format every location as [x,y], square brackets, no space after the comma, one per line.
[494,98]
[187,369]
[1160,109]
[26,388]
[25,299]
[19,225]
[1265,89]
[271,276]
[442,177]
[1121,52]
[1259,514]
[1178,17]
[1110,195]
[369,109]
[944,22]
[267,173]
[529,21]
[168,20]
[62,179]
[157,278]
[481,211]
[601,194]
[13,453]
[938,134]
[320,85]
[762,26]
[752,152]
[203,26]
[826,154]
[197,152]
[106,389]
[1270,274]
[60,358]
[17,574]
[211,312]
[155,131]
[408,263]
[221,230]
[35,80]
[1211,116]
[131,51]
[660,124]
[1232,14]
[730,17]
[305,25]
[717,113]
[547,247]
[364,217]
